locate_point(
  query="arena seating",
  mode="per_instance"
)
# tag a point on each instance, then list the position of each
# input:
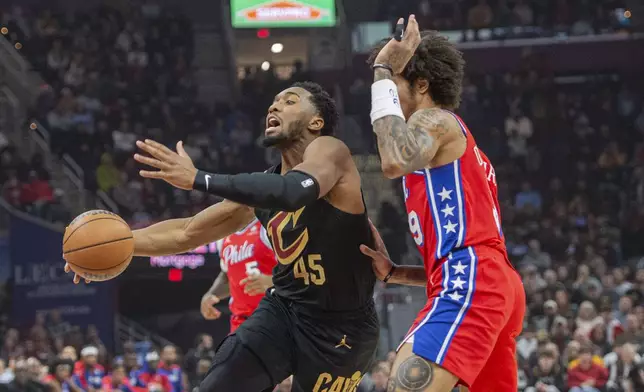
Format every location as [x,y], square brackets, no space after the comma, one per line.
[568,154]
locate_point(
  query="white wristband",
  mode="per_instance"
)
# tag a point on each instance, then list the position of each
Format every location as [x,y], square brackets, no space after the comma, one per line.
[384,100]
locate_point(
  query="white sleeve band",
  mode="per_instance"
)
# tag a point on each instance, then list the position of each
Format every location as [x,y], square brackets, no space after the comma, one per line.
[384,100]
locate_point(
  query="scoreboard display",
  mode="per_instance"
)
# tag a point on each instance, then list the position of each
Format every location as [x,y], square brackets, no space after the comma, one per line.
[200,263]
[282,13]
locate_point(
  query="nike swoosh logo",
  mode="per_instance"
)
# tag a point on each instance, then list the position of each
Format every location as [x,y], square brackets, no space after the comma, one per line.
[207,181]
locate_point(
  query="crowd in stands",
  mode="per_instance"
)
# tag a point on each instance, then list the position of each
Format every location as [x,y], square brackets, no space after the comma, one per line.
[568,154]
[528,18]
[26,187]
[55,356]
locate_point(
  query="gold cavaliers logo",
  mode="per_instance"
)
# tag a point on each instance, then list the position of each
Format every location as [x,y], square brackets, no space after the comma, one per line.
[287,254]
[307,267]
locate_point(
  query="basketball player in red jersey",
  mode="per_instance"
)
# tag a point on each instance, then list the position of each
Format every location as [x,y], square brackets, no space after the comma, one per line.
[247,262]
[466,332]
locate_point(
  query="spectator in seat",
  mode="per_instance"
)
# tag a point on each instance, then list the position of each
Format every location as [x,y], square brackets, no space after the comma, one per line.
[203,365]
[619,372]
[523,13]
[528,198]
[547,376]
[635,381]
[586,374]
[624,307]
[6,374]
[40,191]
[88,371]
[479,17]
[535,256]
[150,377]
[116,381]
[23,382]
[61,378]
[169,367]
[12,190]
[108,175]
[69,352]
[203,349]
[379,378]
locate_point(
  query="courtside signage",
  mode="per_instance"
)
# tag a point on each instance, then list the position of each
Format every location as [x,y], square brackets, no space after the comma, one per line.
[282,13]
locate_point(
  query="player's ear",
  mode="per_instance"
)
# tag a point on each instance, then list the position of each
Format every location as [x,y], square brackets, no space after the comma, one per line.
[316,124]
[421,86]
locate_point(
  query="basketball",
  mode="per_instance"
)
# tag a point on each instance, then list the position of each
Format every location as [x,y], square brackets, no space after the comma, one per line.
[98,245]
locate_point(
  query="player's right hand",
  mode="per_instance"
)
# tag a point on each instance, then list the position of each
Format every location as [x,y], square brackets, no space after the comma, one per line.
[77,278]
[208,310]
[381,262]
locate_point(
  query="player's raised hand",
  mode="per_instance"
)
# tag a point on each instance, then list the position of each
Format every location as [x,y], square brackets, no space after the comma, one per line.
[208,310]
[397,53]
[381,262]
[256,284]
[175,168]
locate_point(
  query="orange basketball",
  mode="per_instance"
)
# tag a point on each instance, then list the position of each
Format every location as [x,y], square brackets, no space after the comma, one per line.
[98,245]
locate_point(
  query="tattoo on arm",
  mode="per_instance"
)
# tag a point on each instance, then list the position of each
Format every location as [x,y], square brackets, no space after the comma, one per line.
[405,147]
[220,287]
[415,374]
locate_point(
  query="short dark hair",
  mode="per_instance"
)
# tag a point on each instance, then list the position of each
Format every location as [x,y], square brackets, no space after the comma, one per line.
[439,62]
[324,104]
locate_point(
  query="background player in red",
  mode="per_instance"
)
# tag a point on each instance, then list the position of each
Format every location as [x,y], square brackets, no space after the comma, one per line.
[247,262]
[466,332]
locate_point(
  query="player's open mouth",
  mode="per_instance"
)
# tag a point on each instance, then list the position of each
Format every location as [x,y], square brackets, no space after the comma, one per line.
[272,123]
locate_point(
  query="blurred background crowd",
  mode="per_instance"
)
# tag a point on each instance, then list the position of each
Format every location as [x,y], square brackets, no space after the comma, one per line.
[568,149]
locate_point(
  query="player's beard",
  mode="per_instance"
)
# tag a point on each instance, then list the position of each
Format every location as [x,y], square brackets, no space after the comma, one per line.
[275,141]
[286,138]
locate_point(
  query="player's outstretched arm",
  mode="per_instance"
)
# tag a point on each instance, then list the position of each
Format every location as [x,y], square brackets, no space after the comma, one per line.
[404,146]
[182,235]
[324,162]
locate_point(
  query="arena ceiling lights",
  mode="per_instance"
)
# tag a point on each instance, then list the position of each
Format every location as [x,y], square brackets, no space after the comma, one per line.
[282,13]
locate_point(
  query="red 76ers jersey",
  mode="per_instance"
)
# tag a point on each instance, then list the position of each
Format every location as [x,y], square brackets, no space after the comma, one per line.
[454,206]
[245,253]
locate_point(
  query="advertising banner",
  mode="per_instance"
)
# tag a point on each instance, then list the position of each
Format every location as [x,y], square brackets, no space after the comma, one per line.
[41,285]
[282,13]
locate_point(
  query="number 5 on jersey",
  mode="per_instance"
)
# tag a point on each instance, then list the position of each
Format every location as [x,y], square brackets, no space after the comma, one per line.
[311,272]
[252,268]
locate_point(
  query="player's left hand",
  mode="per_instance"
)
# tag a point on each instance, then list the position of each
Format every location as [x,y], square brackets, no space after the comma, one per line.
[175,168]
[380,257]
[257,284]
[397,54]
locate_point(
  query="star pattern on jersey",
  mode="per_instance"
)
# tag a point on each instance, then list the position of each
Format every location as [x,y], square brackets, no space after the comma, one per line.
[458,283]
[459,268]
[445,194]
[450,227]
[448,210]
[455,296]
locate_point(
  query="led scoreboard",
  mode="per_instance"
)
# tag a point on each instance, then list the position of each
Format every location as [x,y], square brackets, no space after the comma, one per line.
[282,13]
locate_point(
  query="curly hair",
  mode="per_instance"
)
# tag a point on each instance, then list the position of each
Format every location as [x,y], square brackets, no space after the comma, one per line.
[439,62]
[324,104]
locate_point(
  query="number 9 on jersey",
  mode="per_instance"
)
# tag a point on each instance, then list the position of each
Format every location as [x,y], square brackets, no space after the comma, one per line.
[414,228]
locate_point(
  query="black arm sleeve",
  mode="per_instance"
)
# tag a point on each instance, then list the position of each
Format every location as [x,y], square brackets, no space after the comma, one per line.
[289,192]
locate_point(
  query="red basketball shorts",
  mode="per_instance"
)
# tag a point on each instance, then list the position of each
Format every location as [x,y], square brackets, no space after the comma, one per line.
[475,309]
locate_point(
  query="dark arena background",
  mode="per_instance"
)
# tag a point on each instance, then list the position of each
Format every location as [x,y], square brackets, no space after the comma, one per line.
[554,94]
